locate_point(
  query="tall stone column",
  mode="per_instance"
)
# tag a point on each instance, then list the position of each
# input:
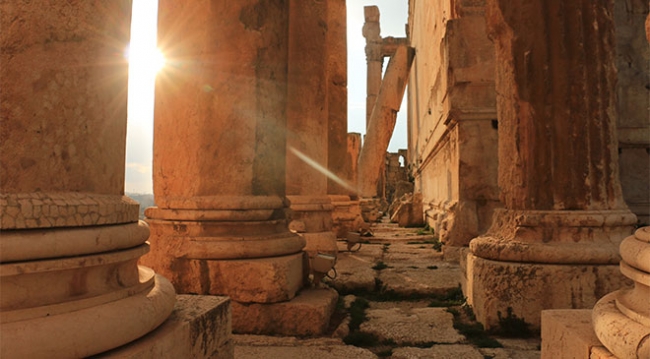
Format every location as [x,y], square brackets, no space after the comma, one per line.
[346,213]
[554,245]
[374,57]
[310,208]
[71,240]
[382,122]
[219,153]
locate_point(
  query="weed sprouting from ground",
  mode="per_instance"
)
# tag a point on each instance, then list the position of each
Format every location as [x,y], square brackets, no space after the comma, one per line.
[512,326]
[380,266]
[358,313]
[465,324]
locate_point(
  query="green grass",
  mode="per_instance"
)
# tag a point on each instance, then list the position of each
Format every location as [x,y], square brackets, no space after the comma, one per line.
[473,331]
[358,313]
[380,266]
[512,326]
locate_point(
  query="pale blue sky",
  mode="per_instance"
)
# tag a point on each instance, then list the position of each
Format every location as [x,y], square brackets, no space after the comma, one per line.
[394,15]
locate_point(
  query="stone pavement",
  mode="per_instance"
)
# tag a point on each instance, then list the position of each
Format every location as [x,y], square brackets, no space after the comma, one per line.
[398,299]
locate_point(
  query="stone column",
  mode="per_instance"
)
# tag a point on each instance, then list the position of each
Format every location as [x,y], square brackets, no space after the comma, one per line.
[622,319]
[310,208]
[382,122]
[554,245]
[374,57]
[219,153]
[71,240]
[339,188]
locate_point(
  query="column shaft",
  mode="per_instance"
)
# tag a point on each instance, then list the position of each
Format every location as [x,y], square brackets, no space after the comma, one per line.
[558,173]
[308,125]
[71,240]
[219,152]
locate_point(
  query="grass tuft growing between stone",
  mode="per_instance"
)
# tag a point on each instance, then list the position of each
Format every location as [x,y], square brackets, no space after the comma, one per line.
[465,324]
[512,326]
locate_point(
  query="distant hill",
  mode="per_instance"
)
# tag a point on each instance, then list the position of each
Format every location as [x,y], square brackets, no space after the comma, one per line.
[145,200]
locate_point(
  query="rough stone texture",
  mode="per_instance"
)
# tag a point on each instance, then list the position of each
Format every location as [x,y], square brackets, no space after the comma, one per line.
[257,347]
[307,314]
[70,209]
[337,96]
[395,172]
[567,334]
[633,120]
[261,280]
[554,245]
[438,352]
[71,286]
[529,288]
[419,325]
[199,327]
[63,115]
[452,117]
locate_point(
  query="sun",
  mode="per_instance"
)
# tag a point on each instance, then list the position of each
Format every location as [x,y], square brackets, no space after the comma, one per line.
[145,61]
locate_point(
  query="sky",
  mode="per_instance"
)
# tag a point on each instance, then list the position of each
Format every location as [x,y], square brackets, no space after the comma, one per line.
[144,60]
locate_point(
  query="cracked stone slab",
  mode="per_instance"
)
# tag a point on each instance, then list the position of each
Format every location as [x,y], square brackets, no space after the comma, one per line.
[454,351]
[407,280]
[301,352]
[418,325]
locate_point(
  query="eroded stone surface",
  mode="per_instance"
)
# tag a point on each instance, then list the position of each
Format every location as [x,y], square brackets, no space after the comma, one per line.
[419,325]
[438,352]
[307,314]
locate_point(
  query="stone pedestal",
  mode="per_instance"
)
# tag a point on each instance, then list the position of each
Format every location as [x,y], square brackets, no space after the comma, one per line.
[622,319]
[199,327]
[219,227]
[555,243]
[71,240]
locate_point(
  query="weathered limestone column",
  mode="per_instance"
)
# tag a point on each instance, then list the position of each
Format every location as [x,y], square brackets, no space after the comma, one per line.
[219,153]
[71,240]
[310,208]
[554,245]
[346,213]
[622,319]
[382,121]
[374,57]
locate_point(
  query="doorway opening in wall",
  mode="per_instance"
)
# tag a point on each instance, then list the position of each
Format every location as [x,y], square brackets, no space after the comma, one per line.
[145,60]
[393,19]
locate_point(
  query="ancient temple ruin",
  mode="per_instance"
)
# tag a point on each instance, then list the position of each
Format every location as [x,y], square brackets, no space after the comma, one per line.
[528,142]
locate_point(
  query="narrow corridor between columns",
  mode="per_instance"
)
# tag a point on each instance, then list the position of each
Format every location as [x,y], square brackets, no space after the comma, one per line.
[399,297]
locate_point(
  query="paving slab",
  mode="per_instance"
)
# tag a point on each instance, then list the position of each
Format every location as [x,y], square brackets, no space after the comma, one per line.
[504,353]
[418,325]
[406,280]
[263,347]
[453,351]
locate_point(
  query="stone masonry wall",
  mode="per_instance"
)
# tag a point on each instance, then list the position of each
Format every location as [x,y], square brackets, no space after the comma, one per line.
[452,118]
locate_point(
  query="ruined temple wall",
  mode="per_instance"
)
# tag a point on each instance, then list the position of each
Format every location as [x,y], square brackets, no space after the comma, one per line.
[452,119]
[633,92]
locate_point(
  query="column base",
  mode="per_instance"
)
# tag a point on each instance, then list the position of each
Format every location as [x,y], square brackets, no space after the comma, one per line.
[89,330]
[370,209]
[346,216]
[199,327]
[259,280]
[528,288]
[308,313]
[623,336]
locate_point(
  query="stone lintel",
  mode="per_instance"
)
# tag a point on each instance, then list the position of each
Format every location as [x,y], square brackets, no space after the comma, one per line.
[199,327]
[307,314]
[528,288]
